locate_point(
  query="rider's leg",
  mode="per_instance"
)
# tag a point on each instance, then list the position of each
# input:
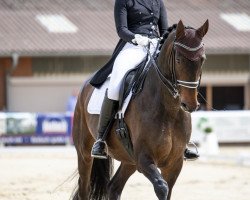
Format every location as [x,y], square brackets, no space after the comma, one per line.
[128,58]
[109,107]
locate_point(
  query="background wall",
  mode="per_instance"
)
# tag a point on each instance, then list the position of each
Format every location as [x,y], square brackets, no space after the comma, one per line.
[42,94]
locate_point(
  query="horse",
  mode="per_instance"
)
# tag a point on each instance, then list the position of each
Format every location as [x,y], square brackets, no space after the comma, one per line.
[158,119]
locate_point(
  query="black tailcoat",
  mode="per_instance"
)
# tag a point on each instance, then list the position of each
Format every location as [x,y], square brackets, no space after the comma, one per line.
[145,17]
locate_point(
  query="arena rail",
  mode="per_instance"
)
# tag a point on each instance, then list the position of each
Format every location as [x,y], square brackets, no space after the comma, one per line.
[35,128]
[230,127]
[20,128]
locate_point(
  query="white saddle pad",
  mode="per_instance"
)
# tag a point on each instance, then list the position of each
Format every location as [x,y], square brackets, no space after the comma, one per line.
[96,99]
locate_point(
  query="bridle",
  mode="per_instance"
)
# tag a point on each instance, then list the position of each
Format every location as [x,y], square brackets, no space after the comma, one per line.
[172,85]
[189,48]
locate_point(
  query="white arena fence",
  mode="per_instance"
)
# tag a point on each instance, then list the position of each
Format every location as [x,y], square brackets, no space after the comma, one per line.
[229,126]
[35,128]
[55,128]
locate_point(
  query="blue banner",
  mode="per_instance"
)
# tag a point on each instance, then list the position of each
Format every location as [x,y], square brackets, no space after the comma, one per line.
[48,124]
[34,140]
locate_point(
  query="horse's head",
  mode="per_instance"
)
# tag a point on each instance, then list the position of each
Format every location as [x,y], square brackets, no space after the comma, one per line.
[185,54]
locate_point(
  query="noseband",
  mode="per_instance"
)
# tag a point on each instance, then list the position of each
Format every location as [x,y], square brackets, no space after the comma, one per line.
[172,85]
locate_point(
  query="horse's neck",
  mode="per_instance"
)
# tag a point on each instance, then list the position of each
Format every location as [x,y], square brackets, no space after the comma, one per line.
[157,94]
[156,87]
[164,59]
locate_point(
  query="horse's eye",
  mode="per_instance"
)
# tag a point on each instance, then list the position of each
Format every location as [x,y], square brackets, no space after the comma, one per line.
[178,60]
[202,61]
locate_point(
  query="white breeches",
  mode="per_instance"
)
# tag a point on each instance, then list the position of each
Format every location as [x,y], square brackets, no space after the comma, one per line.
[128,58]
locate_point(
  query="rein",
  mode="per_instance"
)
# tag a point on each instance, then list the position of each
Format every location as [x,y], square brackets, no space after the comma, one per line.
[172,85]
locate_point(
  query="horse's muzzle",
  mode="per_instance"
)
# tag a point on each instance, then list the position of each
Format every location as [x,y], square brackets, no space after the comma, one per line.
[189,109]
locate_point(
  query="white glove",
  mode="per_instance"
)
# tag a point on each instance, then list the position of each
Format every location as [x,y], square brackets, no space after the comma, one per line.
[141,40]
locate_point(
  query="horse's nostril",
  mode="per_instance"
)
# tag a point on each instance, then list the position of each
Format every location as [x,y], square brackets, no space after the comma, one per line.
[198,106]
[184,106]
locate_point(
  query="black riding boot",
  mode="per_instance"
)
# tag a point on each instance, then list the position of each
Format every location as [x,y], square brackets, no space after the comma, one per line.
[108,110]
[190,155]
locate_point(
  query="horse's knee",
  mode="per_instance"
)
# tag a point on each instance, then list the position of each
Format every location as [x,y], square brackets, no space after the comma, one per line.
[161,189]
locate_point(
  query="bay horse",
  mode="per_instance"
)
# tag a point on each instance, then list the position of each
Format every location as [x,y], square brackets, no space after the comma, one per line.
[158,118]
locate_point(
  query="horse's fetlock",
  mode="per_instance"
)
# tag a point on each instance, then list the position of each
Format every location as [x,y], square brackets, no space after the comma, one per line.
[160,182]
[161,189]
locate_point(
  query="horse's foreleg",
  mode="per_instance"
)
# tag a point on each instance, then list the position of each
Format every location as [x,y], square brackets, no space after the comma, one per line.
[170,174]
[147,166]
[119,180]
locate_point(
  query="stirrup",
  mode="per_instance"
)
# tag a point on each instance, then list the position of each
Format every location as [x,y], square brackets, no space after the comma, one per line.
[102,155]
[196,149]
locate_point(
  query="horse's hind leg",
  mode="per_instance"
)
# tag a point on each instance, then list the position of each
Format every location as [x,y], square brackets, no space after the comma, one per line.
[84,169]
[147,166]
[83,142]
[119,180]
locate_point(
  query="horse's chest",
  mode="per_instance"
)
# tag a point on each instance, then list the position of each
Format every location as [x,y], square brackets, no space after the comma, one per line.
[174,133]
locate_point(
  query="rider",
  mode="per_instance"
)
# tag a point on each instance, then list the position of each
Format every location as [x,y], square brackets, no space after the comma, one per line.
[137,23]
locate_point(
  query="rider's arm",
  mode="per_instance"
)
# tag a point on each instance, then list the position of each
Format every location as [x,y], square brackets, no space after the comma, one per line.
[121,21]
[163,20]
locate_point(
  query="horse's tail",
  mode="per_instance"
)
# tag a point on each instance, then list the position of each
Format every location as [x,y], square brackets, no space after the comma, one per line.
[102,170]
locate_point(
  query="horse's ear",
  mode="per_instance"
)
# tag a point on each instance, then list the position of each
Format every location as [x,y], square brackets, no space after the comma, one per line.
[180,30]
[201,32]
